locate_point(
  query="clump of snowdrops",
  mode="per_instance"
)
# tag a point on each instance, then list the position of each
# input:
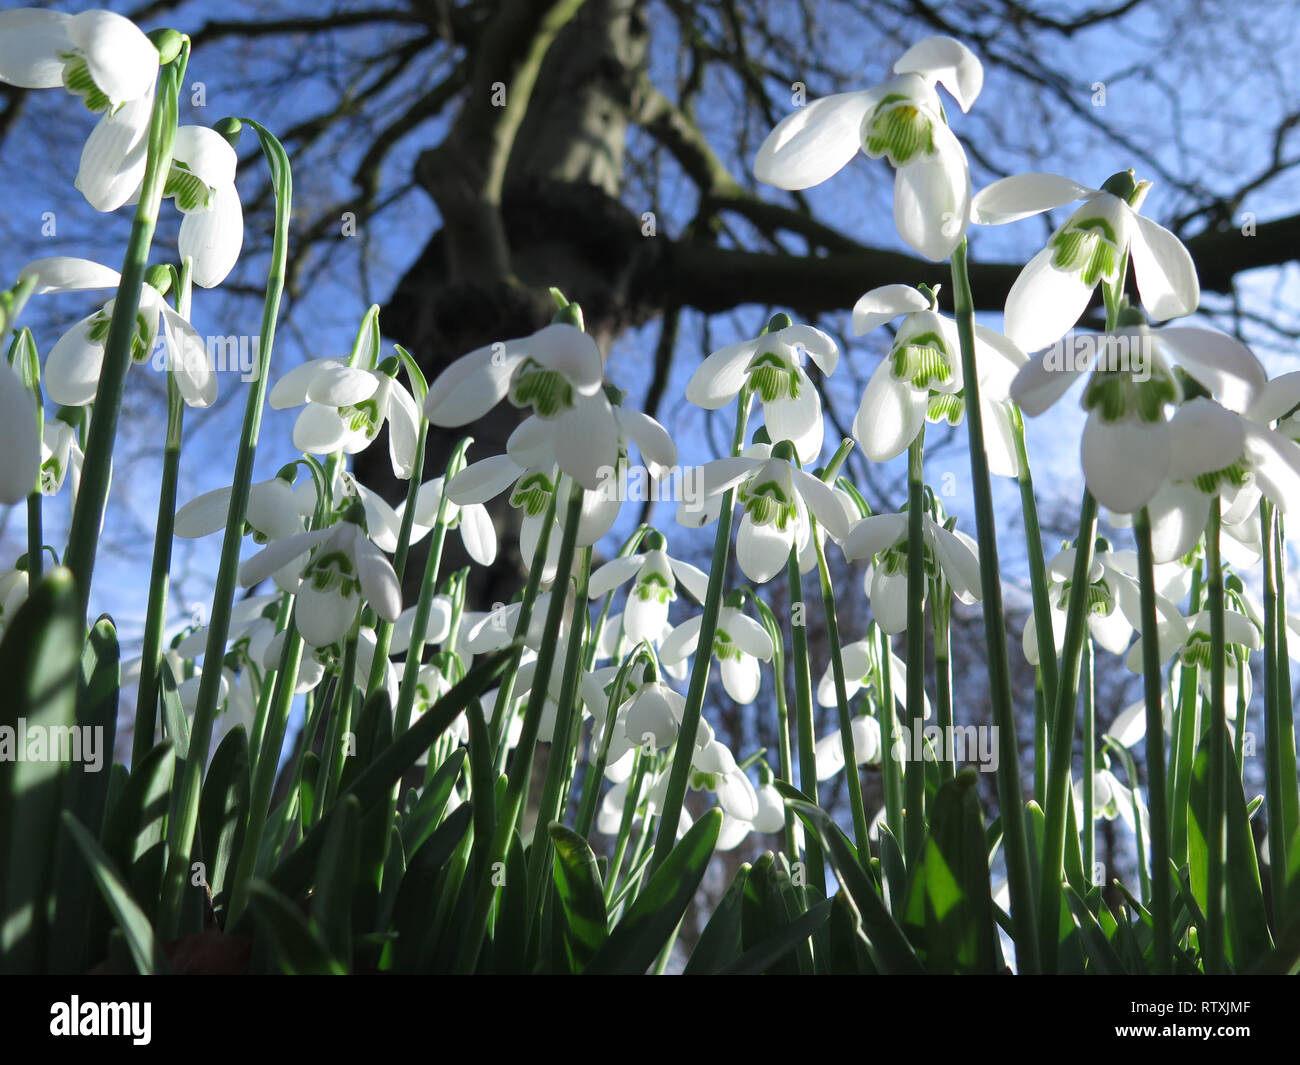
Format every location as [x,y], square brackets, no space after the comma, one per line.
[397,833]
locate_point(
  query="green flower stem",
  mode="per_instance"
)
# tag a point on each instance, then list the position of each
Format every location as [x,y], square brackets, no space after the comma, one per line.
[146,701]
[554,794]
[680,772]
[1088,685]
[640,764]
[914,811]
[521,765]
[941,618]
[181,830]
[498,727]
[1130,771]
[596,770]
[891,776]
[1212,944]
[263,779]
[1011,797]
[334,753]
[804,724]
[1160,892]
[92,496]
[1040,738]
[428,588]
[26,362]
[851,770]
[268,688]
[1061,726]
[1186,735]
[1279,729]
[784,753]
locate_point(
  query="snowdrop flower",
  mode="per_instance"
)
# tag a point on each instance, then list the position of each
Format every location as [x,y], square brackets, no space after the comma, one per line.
[14,584]
[1055,286]
[654,577]
[884,538]
[111,65]
[772,366]
[714,768]
[22,440]
[769,817]
[343,567]
[1114,608]
[778,500]
[829,751]
[739,645]
[74,364]
[861,672]
[902,120]
[1189,639]
[202,184]
[1214,452]
[61,454]
[1110,799]
[345,408]
[471,520]
[921,379]
[1129,446]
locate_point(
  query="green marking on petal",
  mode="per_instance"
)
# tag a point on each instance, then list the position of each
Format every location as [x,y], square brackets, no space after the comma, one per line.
[546,391]
[900,130]
[532,494]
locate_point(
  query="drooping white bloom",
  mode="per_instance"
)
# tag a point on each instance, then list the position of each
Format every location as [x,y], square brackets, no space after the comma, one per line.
[345,408]
[344,567]
[111,65]
[1129,444]
[884,538]
[202,182]
[921,378]
[472,521]
[654,576]
[829,750]
[861,671]
[739,645]
[61,456]
[1054,288]
[73,367]
[772,365]
[902,120]
[777,498]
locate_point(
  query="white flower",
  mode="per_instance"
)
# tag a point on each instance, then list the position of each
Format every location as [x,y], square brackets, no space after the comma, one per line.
[344,566]
[739,644]
[772,366]
[108,62]
[829,751]
[22,440]
[921,378]
[884,537]
[345,408]
[654,576]
[1128,444]
[1055,286]
[61,455]
[202,182]
[1189,638]
[861,672]
[14,585]
[902,120]
[472,520]
[777,499]
[1110,799]
[73,367]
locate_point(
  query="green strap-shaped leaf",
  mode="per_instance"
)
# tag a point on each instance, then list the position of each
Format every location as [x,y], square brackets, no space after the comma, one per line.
[131,920]
[892,952]
[40,663]
[427,812]
[949,912]
[296,943]
[581,896]
[336,878]
[223,809]
[720,943]
[650,920]
[762,956]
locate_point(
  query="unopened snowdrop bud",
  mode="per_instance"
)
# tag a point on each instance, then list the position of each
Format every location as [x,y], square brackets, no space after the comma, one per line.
[169,43]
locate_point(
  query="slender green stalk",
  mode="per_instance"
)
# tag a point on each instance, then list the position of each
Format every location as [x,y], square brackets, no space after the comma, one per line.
[1161,904]
[852,773]
[1088,684]
[914,814]
[890,771]
[146,701]
[554,795]
[1279,734]
[1213,940]
[680,772]
[521,766]
[941,619]
[1011,796]
[181,830]
[785,756]
[1061,726]
[640,764]
[805,729]
[263,780]
[1186,733]
[334,753]
[92,496]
